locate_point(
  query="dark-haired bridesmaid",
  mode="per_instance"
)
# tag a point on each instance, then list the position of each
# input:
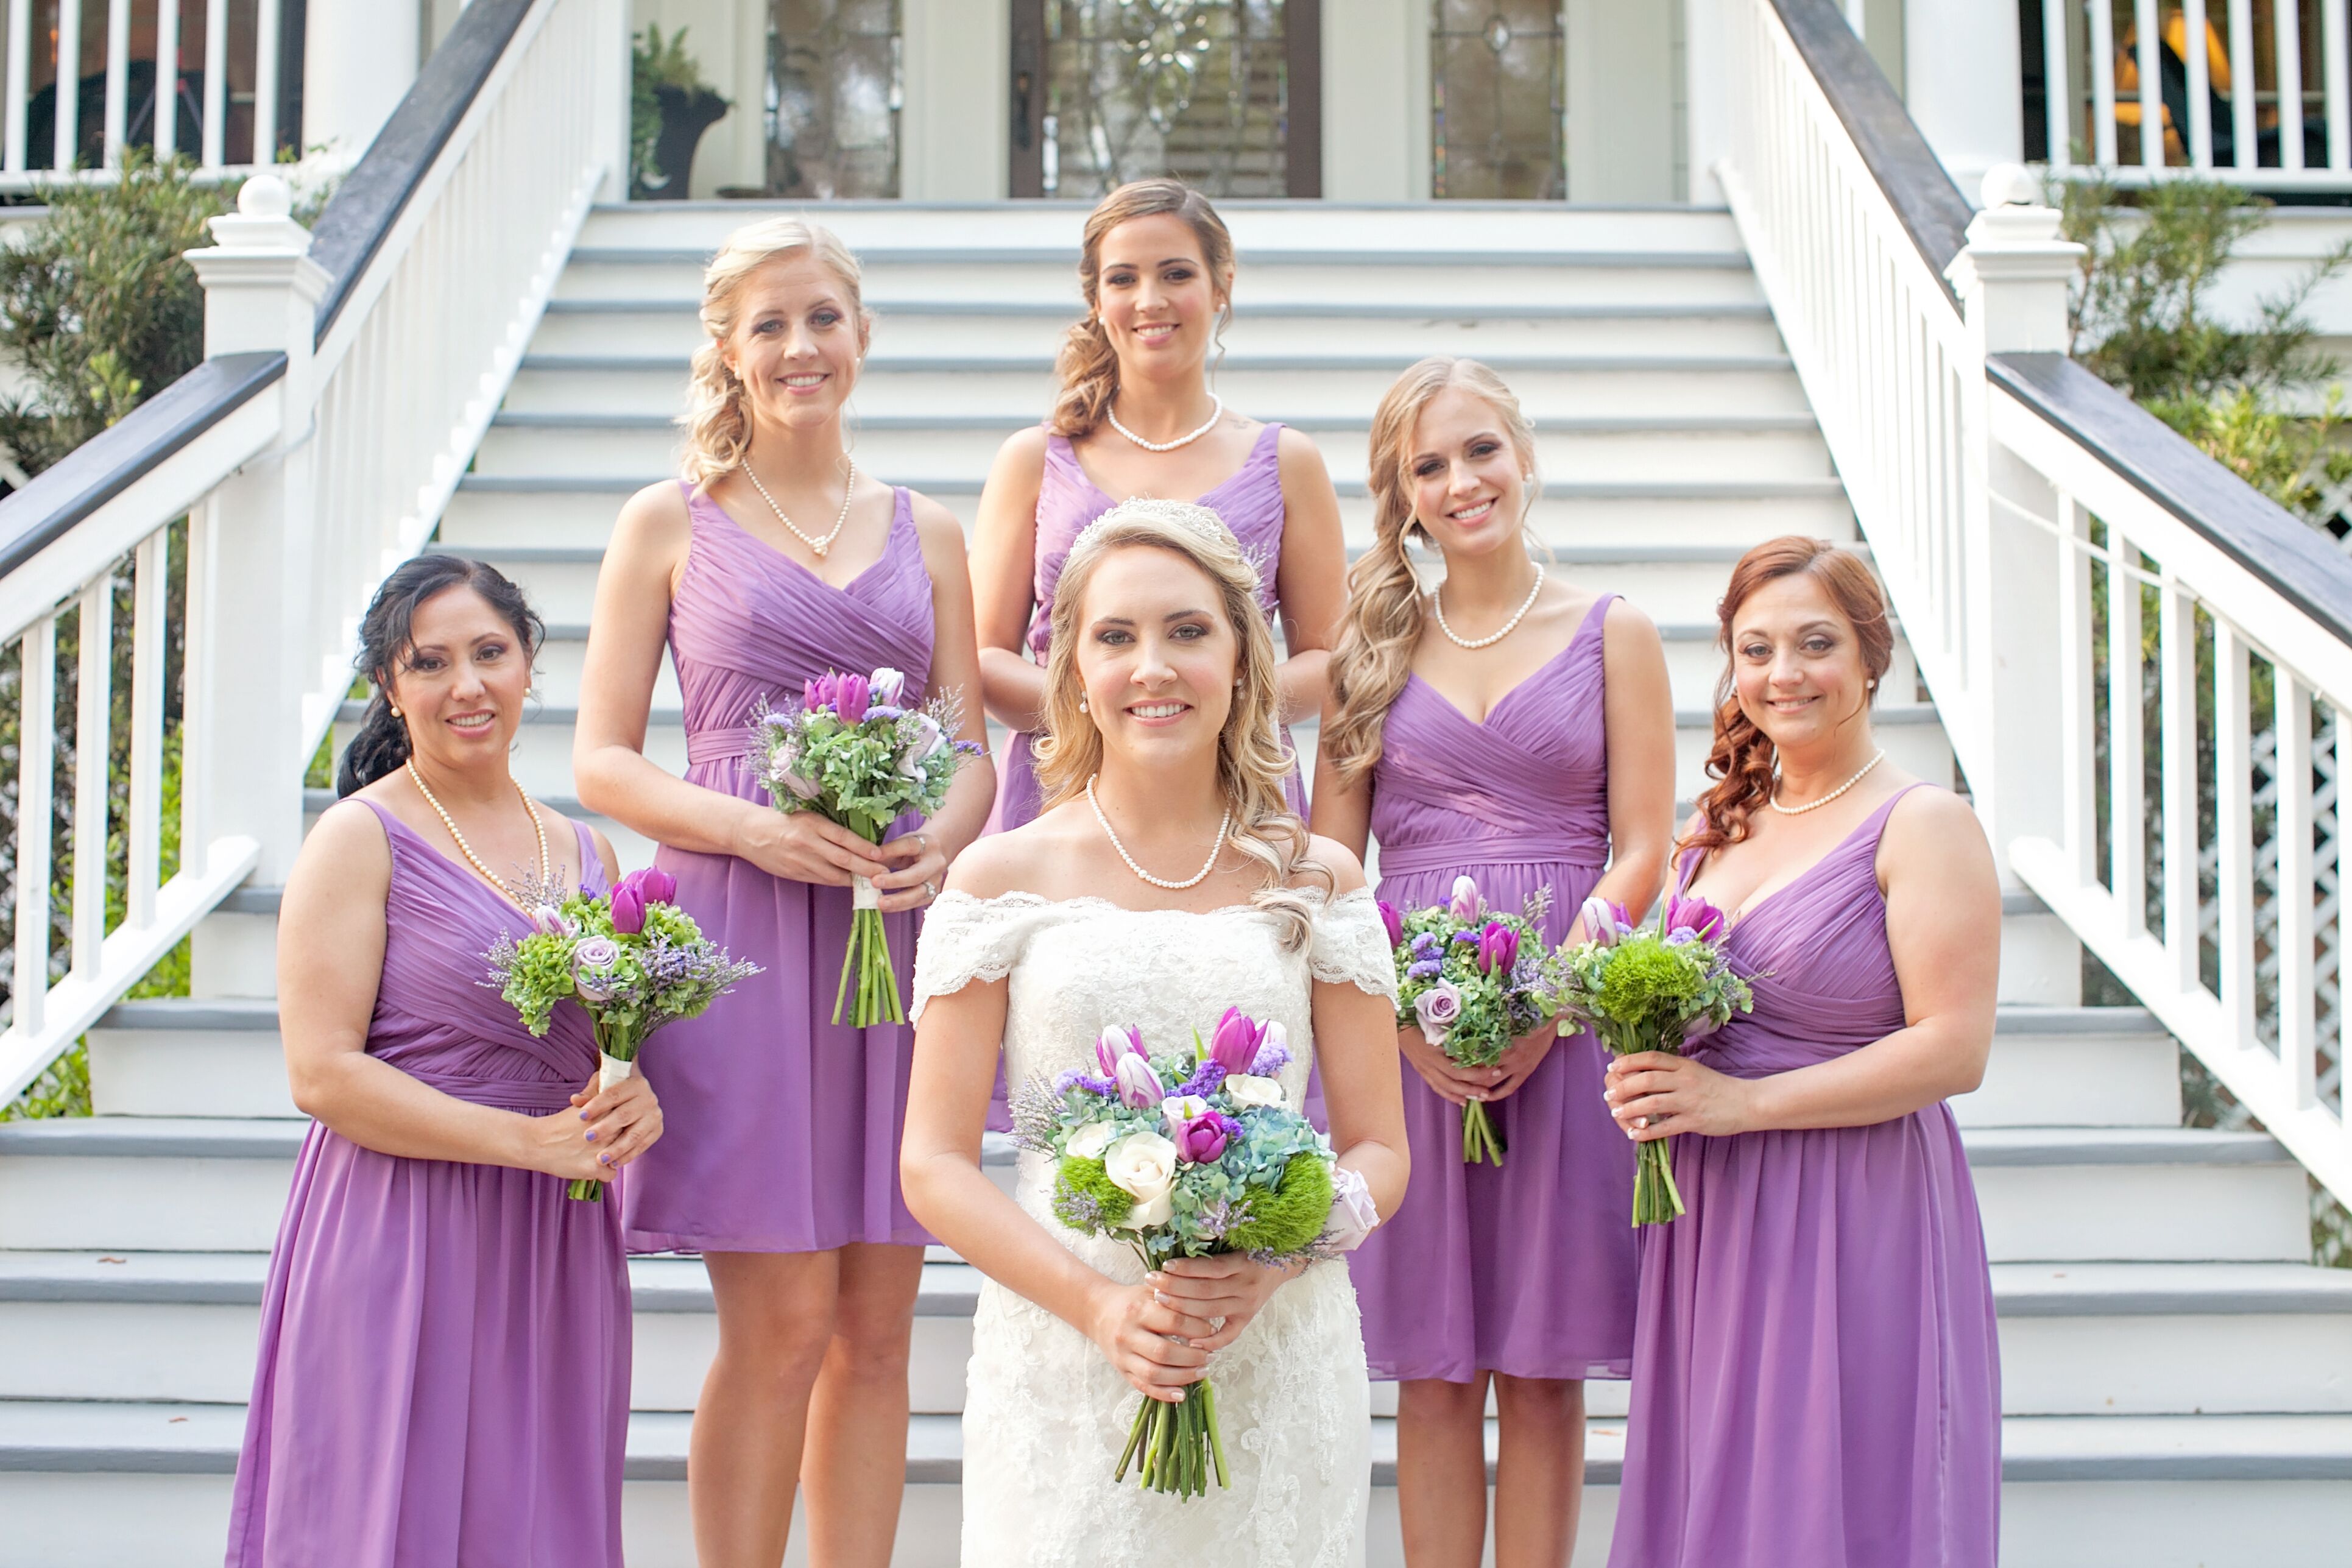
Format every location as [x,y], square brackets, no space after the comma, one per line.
[444,1370]
[1816,1371]
[1517,728]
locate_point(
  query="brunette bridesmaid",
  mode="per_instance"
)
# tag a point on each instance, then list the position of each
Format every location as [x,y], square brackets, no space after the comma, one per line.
[1816,1376]
[1134,417]
[1516,728]
[772,561]
[443,1372]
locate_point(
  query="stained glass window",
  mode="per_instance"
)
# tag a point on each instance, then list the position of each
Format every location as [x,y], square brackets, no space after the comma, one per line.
[834,92]
[1197,89]
[1497,80]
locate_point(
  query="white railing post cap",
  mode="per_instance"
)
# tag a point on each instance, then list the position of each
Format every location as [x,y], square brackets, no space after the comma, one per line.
[262,223]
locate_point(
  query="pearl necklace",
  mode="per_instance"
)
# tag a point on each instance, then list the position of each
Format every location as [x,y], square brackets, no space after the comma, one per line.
[1194,880]
[492,877]
[849,488]
[1209,424]
[1510,625]
[1773,800]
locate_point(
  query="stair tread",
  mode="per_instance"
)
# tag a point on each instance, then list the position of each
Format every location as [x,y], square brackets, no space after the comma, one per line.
[1066,256]
[1727,490]
[1574,425]
[1413,311]
[202,1439]
[882,360]
[950,1287]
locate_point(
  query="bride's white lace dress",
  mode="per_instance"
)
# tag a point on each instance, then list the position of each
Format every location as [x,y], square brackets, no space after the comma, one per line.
[1044,1415]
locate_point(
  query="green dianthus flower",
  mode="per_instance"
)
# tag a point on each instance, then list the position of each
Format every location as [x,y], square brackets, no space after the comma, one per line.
[1285,1220]
[1085,1197]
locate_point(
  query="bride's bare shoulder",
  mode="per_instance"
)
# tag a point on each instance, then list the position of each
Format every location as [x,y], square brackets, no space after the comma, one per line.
[1019,860]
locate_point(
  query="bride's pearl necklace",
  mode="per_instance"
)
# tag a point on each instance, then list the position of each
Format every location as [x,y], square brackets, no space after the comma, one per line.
[1438,604]
[1194,880]
[1773,800]
[1217,413]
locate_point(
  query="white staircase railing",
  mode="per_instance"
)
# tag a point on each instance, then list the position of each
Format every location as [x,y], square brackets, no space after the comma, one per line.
[347,382]
[2140,661]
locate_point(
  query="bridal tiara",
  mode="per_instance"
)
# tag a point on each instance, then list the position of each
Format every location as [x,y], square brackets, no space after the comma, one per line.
[1189,517]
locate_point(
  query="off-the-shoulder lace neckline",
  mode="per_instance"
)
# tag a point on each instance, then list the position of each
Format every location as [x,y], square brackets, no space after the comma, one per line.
[1019,900]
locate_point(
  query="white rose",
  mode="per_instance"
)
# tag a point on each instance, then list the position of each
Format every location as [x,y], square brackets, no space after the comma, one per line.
[1088,1142]
[1143,1166]
[1180,1109]
[1250,1090]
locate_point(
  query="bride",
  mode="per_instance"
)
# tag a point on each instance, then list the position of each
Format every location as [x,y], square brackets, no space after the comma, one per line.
[1167,881]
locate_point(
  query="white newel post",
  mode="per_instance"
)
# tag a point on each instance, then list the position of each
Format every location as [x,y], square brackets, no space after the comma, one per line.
[2013,277]
[249,586]
[610,95]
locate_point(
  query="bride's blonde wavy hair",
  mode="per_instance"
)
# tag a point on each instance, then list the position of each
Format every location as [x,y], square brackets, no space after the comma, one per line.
[716,421]
[1385,608]
[1087,367]
[1251,763]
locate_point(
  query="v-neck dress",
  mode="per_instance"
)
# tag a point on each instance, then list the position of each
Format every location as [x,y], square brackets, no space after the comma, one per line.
[1526,1270]
[1250,504]
[1816,1371]
[443,1379]
[780,1127]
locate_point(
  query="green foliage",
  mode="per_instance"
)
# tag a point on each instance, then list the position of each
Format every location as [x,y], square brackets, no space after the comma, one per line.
[655,63]
[98,305]
[1288,1219]
[1087,1199]
[62,1090]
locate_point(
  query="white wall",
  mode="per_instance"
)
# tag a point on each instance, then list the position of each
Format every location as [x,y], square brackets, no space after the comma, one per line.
[1621,100]
[1376,100]
[954,134]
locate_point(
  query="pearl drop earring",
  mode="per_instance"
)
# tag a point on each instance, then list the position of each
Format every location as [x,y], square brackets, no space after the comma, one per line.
[396,712]
[1082,704]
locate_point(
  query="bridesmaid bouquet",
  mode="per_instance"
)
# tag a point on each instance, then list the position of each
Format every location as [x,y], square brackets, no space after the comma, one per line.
[1189,1153]
[851,752]
[631,959]
[1651,989]
[1473,981]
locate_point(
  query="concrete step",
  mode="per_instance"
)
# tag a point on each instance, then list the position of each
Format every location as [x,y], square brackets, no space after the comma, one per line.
[1432,320]
[922,451]
[2049,1194]
[915,386]
[147,1485]
[2080,1339]
[2082,1067]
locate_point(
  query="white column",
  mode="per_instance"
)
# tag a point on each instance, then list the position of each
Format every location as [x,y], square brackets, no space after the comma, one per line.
[1965,86]
[1705,88]
[955,132]
[249,585]
[2012,278]
[1621,100]
[358,61]
[1376,100]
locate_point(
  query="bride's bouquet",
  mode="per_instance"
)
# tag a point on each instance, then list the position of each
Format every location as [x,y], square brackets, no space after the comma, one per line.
[1473,981]
[631,959]
[1652,988]
[1187,1153]
[853,752]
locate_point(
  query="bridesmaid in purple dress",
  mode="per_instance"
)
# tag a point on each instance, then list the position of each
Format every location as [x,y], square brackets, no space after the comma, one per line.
[1134,417]
[444,1370]
[1519,729]
[772,562]
[1816,1371]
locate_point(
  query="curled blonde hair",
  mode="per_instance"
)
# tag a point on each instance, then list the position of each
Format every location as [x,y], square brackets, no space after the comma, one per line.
[1252,762]
[1384,599]
[1088,366]
[717,423]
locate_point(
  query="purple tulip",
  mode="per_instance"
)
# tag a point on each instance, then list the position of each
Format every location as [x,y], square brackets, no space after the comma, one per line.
[1465,904]
[1498,948]
[1233,1045]
[628,909]
[1116,1042]
[1200,1141]
[548,921]
[1699,1028]
[886,686]
[1140,1087]
[1392,921]
[851,701]
[1605,922]
[660,887]
[1697,916]
[820,693]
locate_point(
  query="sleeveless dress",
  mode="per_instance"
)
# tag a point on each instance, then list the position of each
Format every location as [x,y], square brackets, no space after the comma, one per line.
[444,1369]
[1292,1396]
[1250,504]
[1528,1269]
[1816,1371]
[781,1126]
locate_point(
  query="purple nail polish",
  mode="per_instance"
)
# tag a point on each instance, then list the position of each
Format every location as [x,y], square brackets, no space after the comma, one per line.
[584,1116]
[592,1135]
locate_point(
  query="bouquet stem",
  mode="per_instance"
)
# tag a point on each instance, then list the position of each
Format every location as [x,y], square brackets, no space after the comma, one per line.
[616,1061]
[1479,1140]
[868,958]
[1656,1199]
[1178,1443]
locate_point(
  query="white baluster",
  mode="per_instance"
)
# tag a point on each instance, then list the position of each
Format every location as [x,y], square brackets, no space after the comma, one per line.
[2150,49]
[2287,24]
[2243,135]
[2102,85]
[20,60]
[2234,830]
[167,77]
[36,806]
[117,79]
[2077,728]
[216,136]
[2057,88]
[2177,696]
[2126,743]
[68,85]
[2298,999]
[150,605]
[265,83]
[93,751]
[2197,136]
[2333,42]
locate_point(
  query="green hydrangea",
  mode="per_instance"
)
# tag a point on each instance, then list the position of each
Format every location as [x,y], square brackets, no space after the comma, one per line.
[1288,1218]
[537,975]
[1646,979]
[1087,1199]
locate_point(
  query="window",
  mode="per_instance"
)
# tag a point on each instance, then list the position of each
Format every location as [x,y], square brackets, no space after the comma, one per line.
[834,93]
[1497,80]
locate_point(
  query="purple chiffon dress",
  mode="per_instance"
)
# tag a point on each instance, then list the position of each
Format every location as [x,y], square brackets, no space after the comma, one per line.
[1528,1269]
[1816,1371]
[1250,504]
[444,1369]
[780,1127]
